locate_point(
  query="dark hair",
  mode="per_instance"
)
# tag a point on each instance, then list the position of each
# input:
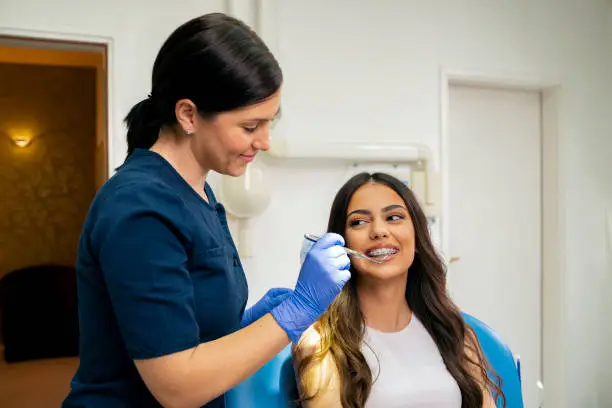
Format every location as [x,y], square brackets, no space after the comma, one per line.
[214,60]
[342,327]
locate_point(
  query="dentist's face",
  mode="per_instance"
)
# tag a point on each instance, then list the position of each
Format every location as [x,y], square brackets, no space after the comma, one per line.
[229,141]
[232,139]
[378,224]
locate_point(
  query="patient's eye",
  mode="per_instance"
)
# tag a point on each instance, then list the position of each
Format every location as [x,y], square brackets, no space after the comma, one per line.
[396,217]
[356,222]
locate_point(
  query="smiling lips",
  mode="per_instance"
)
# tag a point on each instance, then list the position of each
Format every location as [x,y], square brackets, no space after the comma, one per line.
[382,251]
[247,157]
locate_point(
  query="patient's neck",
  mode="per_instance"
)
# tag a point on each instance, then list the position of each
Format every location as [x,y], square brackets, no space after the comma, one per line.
[384,304]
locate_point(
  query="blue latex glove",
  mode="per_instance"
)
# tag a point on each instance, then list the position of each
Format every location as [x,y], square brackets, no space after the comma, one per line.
[324,273]
[269,301]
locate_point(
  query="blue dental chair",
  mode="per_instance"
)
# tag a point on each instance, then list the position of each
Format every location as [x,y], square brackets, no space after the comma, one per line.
[274,385]
[500,357]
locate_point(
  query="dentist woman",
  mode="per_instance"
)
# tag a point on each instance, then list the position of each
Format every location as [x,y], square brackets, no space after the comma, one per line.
[162,292]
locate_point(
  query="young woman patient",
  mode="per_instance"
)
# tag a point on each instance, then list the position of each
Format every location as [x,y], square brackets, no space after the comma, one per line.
[393,337]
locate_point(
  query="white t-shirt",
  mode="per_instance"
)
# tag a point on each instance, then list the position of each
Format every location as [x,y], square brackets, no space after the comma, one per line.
[408,370]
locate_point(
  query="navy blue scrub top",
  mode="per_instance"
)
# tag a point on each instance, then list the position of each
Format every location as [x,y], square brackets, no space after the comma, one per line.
[157,273]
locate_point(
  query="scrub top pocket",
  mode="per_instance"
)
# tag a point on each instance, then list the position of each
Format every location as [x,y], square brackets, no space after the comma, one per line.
[216,297]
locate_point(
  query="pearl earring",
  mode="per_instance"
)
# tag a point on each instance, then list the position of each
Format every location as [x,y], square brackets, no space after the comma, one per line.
[189,132]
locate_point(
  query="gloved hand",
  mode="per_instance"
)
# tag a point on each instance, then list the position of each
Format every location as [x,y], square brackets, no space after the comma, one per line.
[269,301]
[324,273]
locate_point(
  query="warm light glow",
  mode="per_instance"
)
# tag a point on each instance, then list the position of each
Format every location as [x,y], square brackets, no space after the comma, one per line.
[21,139]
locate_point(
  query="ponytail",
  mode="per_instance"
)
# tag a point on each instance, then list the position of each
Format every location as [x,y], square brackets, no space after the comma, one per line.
[143,126]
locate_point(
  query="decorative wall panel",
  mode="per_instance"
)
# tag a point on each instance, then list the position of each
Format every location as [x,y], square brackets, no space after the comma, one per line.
[45,188]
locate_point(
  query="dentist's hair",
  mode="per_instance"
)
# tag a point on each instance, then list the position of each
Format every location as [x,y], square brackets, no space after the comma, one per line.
[217,62]
[342,327]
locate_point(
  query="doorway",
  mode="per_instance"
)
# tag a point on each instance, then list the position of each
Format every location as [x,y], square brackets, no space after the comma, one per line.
[61,53]
[497,181]
[53,158]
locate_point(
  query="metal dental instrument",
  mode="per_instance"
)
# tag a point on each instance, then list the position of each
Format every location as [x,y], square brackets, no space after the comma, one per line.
[352,252]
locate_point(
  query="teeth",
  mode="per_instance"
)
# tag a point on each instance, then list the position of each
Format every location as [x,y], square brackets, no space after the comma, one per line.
[382,252]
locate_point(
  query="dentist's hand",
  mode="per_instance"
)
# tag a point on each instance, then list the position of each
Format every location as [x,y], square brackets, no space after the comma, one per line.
[324,273]
[269,301]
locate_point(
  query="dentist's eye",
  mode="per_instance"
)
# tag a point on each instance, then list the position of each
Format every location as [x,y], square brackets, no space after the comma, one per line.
[250,129]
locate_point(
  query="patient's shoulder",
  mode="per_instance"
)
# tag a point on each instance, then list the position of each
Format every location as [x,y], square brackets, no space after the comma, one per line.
[318,376]
[308,345]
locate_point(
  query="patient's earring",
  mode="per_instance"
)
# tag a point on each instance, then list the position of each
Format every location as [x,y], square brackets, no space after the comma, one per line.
[189,132]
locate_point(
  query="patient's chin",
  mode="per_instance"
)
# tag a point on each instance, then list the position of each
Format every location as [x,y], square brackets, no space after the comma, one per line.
[383,272]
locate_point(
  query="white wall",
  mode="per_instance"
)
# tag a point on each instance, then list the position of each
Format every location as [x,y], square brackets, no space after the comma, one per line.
[606,300]
[372,72]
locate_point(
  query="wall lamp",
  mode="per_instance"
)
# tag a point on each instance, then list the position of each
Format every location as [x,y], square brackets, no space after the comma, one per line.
[21,138]
[21,141]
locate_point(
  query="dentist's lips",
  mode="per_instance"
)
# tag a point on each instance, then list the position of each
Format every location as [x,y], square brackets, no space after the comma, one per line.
[247,157]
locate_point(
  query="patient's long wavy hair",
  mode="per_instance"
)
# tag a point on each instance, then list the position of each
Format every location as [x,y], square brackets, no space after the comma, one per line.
[342,327]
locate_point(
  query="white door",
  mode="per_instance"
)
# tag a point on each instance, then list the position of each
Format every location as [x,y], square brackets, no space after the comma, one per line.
[494,153]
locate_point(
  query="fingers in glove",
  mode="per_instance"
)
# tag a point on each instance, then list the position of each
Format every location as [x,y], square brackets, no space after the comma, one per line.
[328,240]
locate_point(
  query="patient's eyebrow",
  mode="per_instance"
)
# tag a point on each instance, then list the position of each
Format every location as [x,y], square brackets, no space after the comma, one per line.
[385,209]
[362,212]
[394,207]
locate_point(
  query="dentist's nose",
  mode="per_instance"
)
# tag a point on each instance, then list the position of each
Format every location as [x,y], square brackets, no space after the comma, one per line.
[262,140]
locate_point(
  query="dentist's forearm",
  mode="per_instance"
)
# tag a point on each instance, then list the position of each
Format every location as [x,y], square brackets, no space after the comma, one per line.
[193,377]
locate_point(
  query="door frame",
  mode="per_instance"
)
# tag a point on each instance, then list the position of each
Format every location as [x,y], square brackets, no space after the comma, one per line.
[69,42]
[553,204]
